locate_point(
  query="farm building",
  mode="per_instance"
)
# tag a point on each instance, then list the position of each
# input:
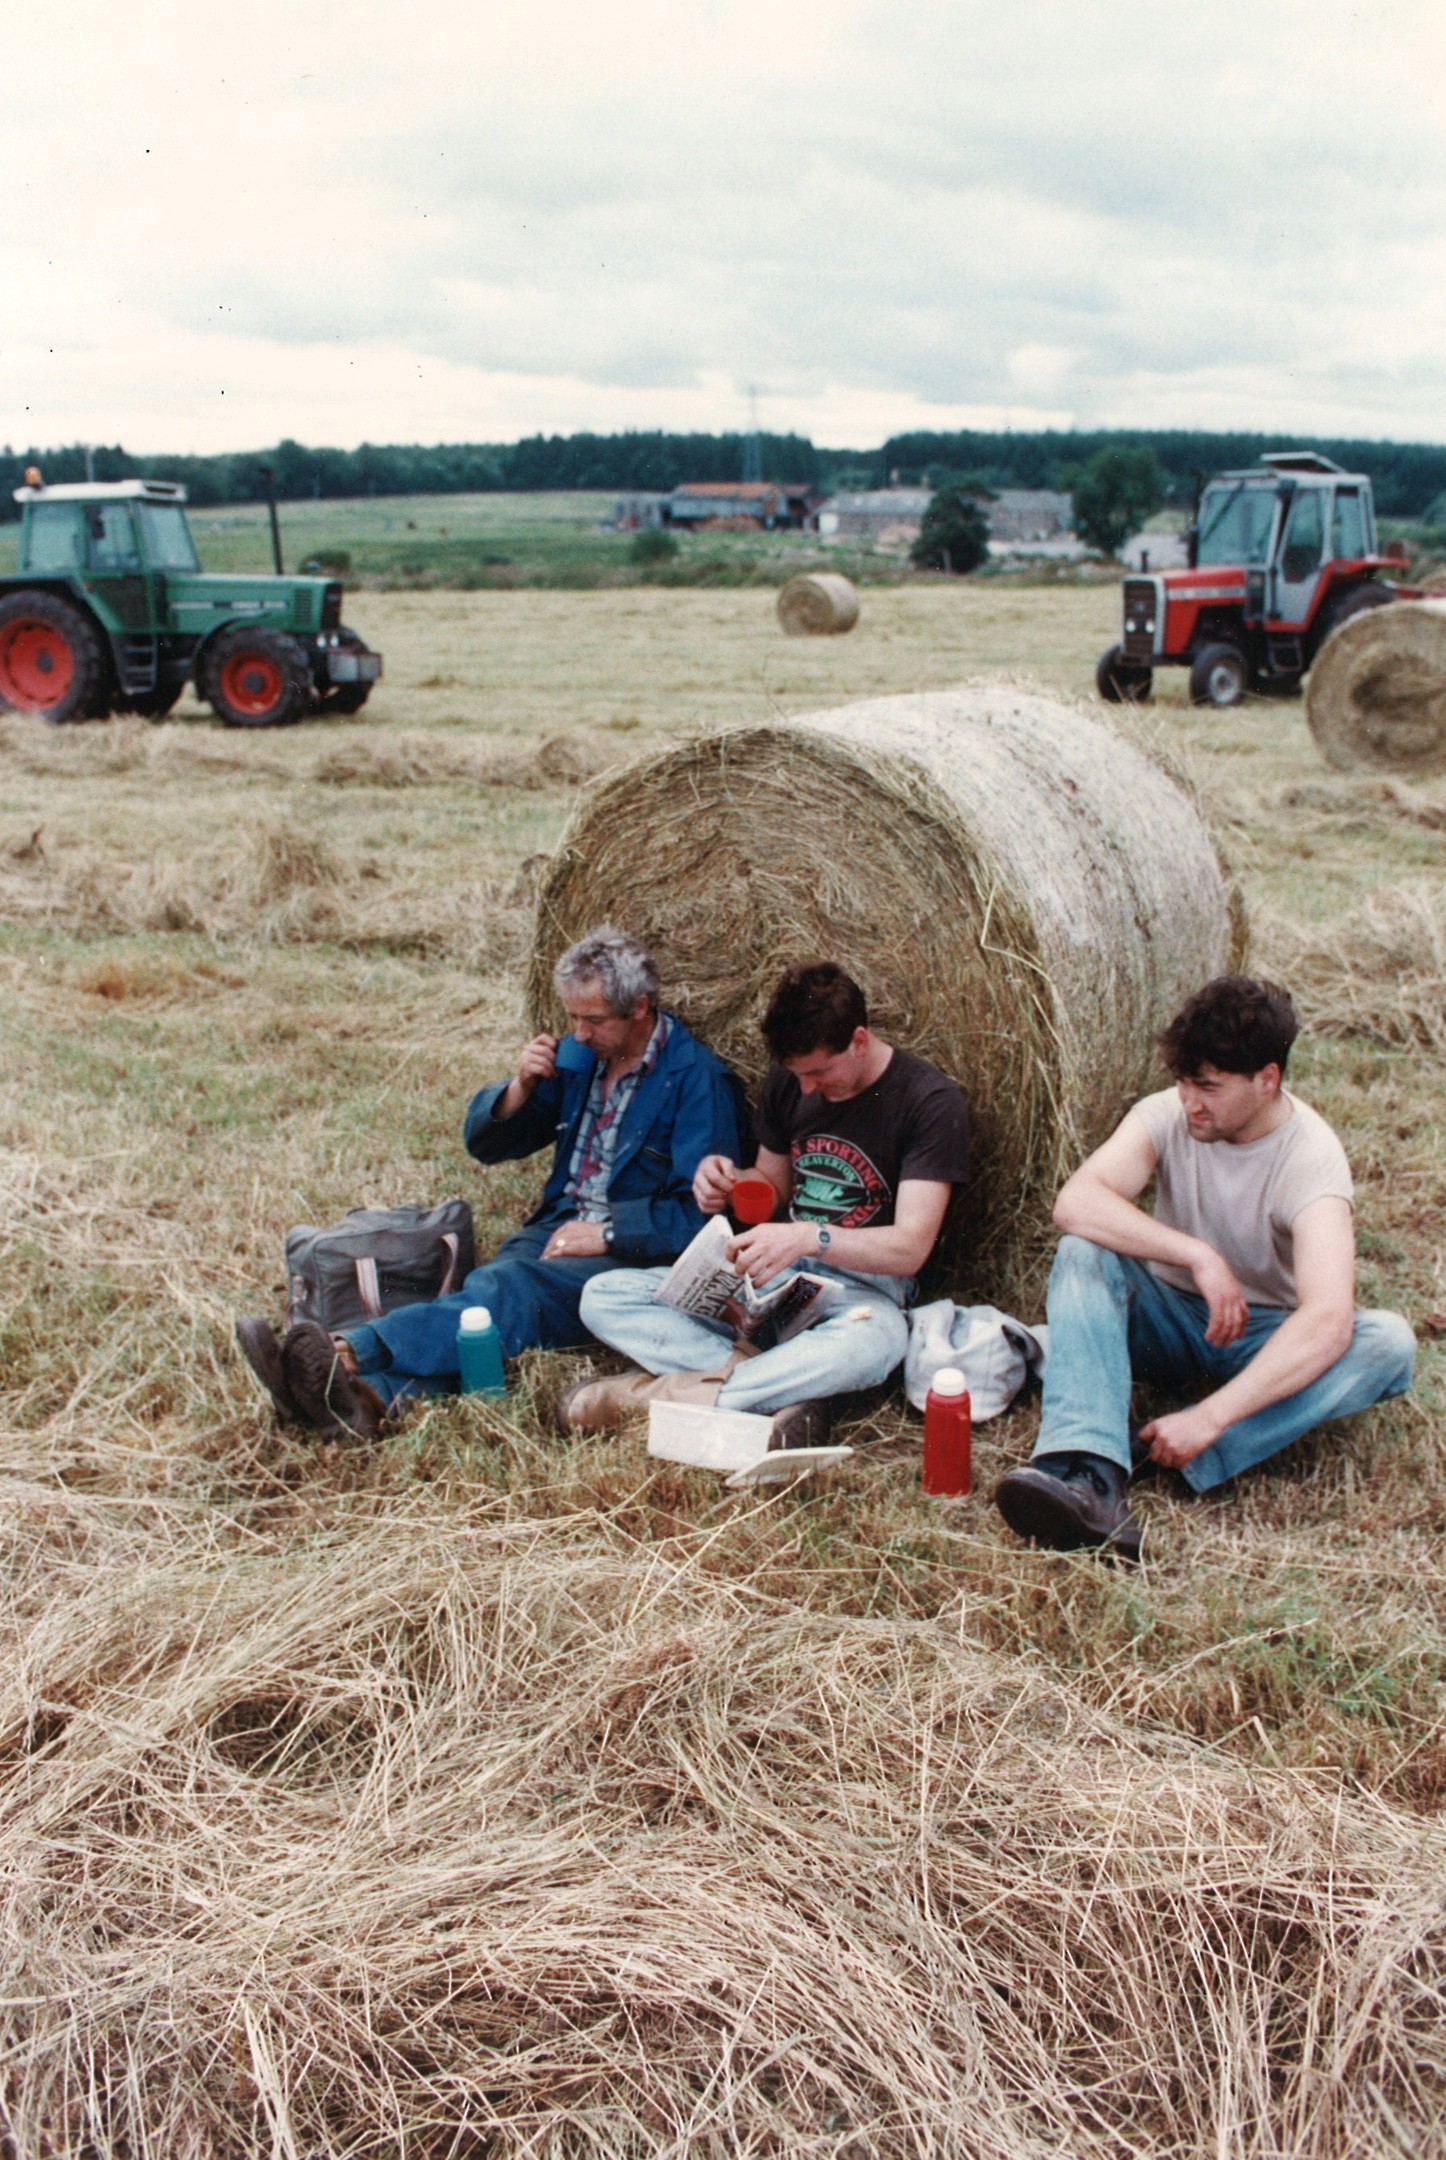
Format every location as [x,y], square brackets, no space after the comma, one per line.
[1022,515]
[765,503]
[892,516]
[638,511]
[1020,519]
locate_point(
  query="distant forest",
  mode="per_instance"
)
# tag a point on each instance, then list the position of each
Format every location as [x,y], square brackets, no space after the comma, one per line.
[1408,477]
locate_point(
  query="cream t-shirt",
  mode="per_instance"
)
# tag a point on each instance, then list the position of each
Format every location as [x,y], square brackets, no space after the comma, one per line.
[1243,1198]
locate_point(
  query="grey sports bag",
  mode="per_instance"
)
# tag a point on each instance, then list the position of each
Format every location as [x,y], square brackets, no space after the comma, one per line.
[375,1259]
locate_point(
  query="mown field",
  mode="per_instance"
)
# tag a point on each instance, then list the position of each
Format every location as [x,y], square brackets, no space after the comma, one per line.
[487,1795]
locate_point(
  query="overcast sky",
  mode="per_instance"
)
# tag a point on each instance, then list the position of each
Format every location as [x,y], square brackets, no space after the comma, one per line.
[353,219]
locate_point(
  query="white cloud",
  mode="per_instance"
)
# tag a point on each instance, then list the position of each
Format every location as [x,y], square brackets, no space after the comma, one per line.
[357,222]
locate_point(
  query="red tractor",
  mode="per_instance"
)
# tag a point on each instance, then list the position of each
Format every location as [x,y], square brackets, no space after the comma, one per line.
[1280,555]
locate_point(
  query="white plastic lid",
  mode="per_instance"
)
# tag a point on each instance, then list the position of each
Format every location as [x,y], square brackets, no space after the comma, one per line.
[948,1380]
[475,1320]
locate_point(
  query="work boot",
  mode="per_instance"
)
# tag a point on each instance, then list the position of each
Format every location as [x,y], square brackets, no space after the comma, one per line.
[1070,1500]
[802,1424]
[325,1393]
[260,1345]
[602,1405]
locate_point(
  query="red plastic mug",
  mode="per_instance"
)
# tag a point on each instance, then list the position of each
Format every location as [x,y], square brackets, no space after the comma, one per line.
[752,1199]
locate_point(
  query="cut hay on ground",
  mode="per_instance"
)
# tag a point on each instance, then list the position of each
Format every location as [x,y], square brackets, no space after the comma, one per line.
[1377,692]
[459,1836]
[276,885]
[1378,972]
[1024,895]
[819,605]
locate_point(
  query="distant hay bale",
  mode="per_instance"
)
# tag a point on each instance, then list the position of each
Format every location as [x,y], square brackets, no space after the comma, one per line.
[1024,895]
[1377,692]
[819,605]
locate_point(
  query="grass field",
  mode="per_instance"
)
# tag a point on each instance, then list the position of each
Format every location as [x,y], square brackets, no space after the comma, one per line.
[481,1795]
[499,542]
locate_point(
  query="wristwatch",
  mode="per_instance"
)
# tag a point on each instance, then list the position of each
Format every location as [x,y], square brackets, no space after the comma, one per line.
[607,1231]
[825,1238]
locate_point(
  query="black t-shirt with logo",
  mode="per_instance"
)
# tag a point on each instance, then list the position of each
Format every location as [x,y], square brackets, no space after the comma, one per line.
[849,1158]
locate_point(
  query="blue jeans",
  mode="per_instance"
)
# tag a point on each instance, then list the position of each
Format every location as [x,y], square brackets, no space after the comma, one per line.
[854,1348]
[1111,1320]
[533,1302]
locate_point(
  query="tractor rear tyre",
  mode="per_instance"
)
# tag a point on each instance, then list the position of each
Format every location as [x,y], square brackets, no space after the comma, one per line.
[1120,681]
[257,678]
[1219,676]
[53,662]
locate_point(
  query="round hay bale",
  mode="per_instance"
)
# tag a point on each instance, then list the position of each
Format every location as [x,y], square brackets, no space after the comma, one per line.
[1024,896]
[1376,694]
[819,605]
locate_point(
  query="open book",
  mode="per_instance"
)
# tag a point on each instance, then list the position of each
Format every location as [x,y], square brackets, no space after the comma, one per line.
[704,1282]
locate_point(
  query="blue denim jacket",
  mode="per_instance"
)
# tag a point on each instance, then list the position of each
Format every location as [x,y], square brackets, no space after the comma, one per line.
[690,1105]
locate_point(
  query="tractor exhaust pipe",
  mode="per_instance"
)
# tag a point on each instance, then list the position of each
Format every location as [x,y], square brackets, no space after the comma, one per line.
[269,479]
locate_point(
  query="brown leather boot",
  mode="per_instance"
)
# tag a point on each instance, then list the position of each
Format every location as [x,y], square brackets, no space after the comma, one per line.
[260,1345]
[326,1394]
[615,1399]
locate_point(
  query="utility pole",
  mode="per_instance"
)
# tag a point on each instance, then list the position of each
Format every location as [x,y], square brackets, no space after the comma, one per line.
[752,444]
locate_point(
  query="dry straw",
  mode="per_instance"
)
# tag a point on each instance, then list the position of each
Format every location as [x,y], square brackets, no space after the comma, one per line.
[446,1837]
[818,605]
[1377,692]
[1025,896]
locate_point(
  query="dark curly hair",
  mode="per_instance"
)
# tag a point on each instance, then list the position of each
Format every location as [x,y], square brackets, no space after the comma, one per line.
[815,1007]
[1235,1023]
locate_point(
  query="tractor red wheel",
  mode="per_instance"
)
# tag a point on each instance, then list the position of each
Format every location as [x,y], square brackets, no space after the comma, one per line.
[52,662]
[257,678]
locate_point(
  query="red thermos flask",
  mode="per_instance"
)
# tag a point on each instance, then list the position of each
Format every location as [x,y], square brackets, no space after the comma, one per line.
[948,1435]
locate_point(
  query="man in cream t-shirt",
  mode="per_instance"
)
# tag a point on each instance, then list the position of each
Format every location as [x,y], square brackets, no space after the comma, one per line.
[1240,1284]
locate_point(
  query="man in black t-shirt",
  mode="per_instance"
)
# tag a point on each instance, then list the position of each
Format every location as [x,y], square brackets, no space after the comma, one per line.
[863,1144]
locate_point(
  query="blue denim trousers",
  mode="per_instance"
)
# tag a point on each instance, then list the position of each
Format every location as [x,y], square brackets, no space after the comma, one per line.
[533,1302]
[1111,1321]
[856,1347]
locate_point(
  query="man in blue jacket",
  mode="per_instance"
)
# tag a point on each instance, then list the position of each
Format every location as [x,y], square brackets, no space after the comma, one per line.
[632,1103]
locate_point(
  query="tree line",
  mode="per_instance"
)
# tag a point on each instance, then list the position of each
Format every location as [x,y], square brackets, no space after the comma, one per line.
[1408,477]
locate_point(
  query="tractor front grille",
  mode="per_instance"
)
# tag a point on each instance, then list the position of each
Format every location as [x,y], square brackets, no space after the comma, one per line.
[1141,603]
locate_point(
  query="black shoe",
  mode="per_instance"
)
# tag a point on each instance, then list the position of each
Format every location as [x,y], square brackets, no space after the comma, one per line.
[325,1393]
[1067,1501]
[260,1345]
[802,1424]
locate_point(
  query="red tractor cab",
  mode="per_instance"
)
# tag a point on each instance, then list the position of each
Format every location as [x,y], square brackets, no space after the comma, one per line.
[1280,555]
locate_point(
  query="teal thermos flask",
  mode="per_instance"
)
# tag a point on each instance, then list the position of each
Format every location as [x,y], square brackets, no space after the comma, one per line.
[479,1353]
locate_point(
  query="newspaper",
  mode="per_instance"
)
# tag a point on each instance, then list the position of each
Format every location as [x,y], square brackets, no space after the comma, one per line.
[704,1282]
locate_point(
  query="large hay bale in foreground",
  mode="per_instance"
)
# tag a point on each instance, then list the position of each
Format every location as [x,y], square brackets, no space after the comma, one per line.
[1376,694]
[819,605]
[1024,895]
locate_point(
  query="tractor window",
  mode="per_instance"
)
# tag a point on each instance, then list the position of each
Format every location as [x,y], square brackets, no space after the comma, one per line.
[167,536]
[1348,531]
[112,537]
[1235,525]
[1305,536]
[55,538]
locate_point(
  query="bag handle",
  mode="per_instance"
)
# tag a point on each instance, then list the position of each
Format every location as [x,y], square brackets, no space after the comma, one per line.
[369,1288]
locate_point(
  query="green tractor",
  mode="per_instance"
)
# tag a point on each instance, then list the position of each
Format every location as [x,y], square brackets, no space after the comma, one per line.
[110,612]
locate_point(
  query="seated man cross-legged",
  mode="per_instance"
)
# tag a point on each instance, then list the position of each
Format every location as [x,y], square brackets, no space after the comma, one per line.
[632,1103]
[863,1144]
[1241,1283]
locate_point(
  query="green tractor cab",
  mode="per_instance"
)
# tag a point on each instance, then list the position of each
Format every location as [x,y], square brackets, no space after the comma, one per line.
[110,611]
